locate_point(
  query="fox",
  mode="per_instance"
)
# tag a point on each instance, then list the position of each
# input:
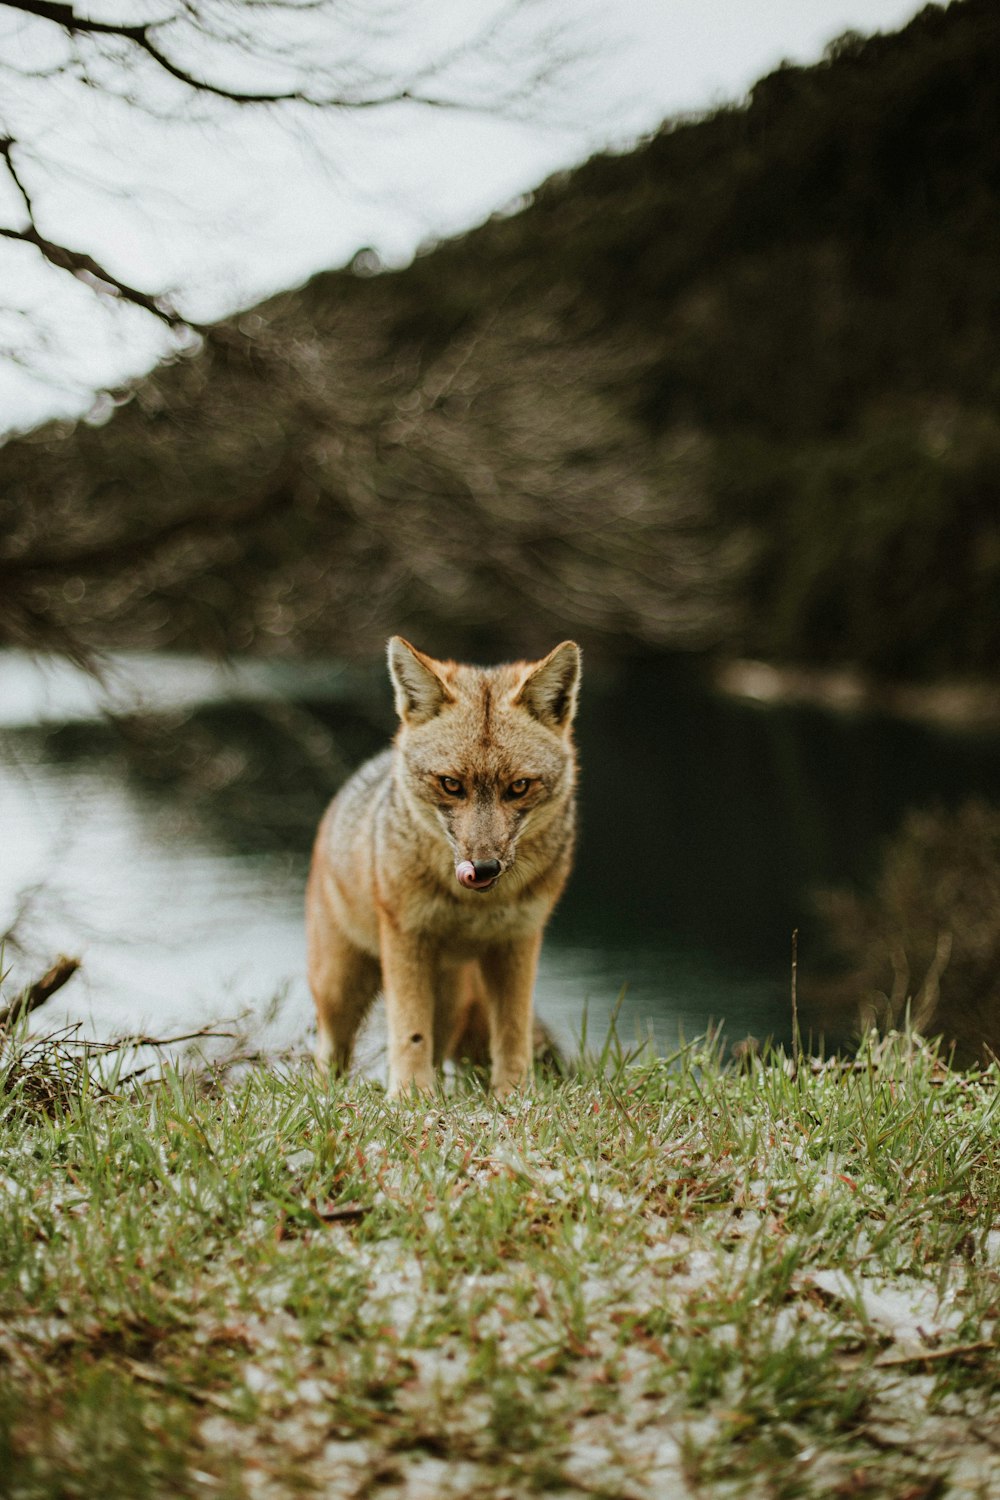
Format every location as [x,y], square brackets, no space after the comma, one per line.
[437,866]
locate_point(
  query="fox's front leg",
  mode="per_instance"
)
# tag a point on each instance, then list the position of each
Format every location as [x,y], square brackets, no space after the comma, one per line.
[344,981]
[408,978]
[508,972]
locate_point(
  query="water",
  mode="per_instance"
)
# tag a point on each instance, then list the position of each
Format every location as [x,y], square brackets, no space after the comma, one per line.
[168,845]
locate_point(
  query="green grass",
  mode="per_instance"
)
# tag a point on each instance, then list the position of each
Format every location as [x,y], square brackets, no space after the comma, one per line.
[656,1277]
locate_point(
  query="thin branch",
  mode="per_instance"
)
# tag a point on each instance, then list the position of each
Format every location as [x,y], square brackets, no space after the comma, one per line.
[140,1039]
[82,265]
[6,151]
[86,269]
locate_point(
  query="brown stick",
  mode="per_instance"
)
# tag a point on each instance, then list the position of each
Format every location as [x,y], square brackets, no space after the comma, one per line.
[43,989]
[925,1356]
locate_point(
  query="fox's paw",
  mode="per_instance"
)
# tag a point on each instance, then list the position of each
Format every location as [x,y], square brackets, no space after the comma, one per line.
[506,1089]
[330,1058]
[411,1090]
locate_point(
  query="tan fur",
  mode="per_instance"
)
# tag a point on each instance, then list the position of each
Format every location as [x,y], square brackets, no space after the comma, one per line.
[384,908]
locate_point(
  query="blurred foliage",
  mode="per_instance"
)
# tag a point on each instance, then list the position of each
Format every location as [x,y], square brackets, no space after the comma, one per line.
[738,388]
[925,943]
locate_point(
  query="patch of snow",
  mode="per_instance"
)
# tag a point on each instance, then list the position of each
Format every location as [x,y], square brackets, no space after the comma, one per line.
[910,1313]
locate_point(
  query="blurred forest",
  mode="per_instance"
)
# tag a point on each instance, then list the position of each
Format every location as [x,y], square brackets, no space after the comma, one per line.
[736,390]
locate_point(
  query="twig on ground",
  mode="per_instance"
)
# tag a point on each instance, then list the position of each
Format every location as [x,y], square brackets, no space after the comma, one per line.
[141,1040]
[925,1356]
[153,1376]
[43,989]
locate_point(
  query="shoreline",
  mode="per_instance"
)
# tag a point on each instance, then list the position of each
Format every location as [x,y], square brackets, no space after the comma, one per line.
[959,705]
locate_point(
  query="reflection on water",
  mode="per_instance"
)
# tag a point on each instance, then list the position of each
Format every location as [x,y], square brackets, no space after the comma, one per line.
[170,849]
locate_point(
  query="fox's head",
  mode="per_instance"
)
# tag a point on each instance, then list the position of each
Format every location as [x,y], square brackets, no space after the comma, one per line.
[486,754]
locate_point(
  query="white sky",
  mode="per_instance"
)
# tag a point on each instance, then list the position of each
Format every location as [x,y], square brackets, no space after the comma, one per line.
[225,213]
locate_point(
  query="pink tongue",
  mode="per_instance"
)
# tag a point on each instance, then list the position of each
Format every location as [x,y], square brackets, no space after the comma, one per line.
[466,872]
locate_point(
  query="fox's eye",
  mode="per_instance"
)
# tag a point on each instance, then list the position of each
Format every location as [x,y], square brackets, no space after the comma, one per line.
[519,787]
[451,785]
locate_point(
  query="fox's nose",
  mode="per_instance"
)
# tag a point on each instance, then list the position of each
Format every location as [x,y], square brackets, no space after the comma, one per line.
[478,875]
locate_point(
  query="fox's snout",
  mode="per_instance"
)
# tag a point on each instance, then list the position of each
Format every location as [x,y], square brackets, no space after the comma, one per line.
[478,874]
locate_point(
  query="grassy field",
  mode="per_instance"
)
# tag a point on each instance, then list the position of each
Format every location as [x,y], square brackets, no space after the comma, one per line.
[656,1277]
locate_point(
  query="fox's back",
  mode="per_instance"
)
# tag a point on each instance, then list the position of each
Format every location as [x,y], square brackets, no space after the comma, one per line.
[343,875]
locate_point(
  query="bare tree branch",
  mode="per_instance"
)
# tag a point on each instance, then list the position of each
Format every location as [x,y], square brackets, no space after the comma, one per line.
[142,39]
[280,55]
[78,262]
[86,269]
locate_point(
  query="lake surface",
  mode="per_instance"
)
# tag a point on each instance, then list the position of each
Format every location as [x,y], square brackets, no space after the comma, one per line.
[159,826]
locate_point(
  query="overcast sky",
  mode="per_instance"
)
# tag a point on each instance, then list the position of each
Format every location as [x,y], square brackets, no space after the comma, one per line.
[223,214]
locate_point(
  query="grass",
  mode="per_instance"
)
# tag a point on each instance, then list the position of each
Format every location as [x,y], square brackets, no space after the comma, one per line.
[656,1277]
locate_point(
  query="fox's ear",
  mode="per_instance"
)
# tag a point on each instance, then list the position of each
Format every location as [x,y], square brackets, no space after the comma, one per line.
[420,691]
[550,687]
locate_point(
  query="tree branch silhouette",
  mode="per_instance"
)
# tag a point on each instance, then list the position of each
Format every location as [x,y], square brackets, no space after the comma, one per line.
[164,47]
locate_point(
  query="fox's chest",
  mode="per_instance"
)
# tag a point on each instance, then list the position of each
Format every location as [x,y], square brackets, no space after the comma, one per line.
[481,920]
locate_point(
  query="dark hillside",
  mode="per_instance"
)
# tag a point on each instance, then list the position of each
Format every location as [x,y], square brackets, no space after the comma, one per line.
[736,389]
